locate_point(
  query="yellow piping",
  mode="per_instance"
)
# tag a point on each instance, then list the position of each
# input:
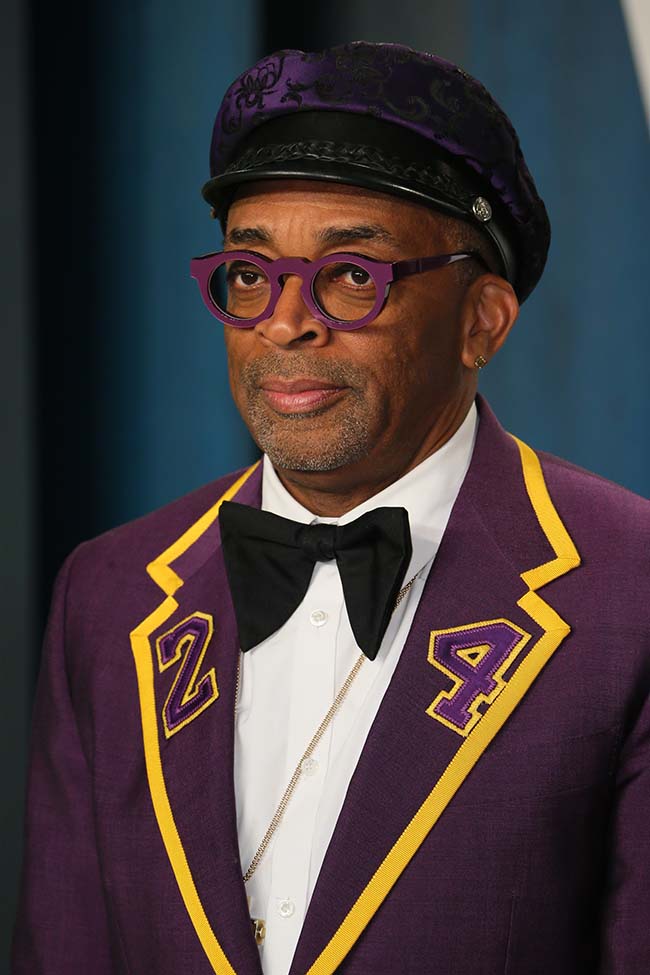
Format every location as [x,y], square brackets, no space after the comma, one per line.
[162,573]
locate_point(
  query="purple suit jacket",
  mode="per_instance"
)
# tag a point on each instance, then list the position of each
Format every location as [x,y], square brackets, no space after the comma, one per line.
[498,820]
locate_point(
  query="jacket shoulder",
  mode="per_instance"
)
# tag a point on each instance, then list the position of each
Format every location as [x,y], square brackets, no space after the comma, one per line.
[588,501]
[138,542]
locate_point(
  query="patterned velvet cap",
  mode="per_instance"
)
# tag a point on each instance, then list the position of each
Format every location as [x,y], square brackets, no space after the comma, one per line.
[385,117]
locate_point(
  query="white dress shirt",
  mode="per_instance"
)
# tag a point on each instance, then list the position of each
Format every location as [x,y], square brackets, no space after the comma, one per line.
[289,681]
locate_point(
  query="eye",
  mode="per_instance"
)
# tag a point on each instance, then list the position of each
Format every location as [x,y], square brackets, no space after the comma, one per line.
[244,276]
[358,276]
[350,275]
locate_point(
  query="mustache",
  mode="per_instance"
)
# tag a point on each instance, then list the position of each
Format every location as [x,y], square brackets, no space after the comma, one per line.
[299,365]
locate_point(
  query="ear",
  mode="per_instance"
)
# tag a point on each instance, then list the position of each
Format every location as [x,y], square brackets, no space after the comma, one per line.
[490,309]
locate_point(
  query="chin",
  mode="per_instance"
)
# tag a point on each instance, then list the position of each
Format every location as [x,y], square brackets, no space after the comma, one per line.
[294,454]
[312,443]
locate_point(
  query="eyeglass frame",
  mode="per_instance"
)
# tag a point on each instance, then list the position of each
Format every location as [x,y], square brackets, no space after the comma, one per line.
[383,273]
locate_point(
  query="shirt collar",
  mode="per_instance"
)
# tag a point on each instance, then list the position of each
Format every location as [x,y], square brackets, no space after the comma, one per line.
[428,493]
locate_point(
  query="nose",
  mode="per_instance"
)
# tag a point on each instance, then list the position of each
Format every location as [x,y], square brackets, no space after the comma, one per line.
[291,323]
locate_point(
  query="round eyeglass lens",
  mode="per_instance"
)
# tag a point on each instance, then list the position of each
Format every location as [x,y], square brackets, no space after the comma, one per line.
[241,289]
[345,291]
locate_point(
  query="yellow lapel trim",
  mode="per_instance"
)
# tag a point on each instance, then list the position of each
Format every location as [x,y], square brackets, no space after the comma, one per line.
[566,554]
[555,630]
[161,572]
[160,569]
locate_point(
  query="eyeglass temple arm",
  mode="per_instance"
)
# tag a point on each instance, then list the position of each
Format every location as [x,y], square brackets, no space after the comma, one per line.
[402,269]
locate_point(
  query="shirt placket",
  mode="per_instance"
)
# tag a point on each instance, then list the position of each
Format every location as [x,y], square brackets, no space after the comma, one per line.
[312,692]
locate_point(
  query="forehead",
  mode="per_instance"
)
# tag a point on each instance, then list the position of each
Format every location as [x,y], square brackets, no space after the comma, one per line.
[316,203]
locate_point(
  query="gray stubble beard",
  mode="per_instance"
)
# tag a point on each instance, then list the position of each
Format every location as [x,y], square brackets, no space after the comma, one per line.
[280,436]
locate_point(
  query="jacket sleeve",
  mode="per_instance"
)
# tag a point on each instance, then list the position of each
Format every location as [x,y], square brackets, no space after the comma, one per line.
[626,928]
[61,925]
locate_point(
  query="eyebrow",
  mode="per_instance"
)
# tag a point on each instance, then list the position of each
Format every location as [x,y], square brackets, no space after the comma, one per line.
[248,235]
[343,235]
[328,235]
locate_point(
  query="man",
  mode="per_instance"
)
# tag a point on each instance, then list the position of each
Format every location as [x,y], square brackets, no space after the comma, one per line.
[431,754]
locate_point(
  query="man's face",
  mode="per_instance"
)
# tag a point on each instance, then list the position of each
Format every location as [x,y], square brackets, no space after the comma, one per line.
[362,402]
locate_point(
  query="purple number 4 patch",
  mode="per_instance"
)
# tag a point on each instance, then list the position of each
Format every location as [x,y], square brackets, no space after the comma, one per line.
[475,657]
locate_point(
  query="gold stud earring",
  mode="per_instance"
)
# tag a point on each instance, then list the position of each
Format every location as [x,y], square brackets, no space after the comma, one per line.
[479,362]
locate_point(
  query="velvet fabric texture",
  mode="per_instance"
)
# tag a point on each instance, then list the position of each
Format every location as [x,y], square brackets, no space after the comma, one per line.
[539,863]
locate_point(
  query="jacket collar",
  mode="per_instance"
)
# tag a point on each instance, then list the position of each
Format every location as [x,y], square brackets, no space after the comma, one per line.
[503,542]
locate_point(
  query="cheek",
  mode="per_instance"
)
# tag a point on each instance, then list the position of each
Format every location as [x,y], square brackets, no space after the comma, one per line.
[414,349]
[393,369]
[421,365]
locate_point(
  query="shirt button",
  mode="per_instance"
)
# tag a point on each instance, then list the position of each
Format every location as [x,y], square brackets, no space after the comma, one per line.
[318,617]
[309,766]
[286,908]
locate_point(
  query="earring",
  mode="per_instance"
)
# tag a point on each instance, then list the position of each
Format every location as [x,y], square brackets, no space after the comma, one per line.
[479,362]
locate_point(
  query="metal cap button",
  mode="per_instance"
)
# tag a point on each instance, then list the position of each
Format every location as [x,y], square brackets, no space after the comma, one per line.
[482,209]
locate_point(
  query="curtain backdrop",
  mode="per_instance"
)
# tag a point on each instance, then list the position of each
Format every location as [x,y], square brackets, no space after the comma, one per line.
[134,408]
[574,377]
[166,423]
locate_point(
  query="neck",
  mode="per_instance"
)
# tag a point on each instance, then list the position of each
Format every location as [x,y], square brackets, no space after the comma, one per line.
[330,494]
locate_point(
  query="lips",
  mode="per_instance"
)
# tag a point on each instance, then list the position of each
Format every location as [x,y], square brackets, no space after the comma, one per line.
[299,395]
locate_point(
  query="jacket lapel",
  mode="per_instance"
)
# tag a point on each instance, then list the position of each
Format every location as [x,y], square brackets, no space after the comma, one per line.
[186,654]
[480,637]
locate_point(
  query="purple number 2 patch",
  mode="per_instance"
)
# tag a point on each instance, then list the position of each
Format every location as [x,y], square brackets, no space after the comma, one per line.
[189,695]
[475,657]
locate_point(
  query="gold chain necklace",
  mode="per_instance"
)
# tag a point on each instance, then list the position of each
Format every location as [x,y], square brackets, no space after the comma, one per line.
[310,749]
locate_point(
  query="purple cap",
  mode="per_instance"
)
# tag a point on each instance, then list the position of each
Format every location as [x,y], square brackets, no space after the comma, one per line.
[389,118]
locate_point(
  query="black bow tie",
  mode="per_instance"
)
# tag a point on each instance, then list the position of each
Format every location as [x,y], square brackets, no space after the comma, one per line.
[270,561]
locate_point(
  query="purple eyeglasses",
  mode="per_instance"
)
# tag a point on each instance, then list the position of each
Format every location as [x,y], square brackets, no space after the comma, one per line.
[343,291]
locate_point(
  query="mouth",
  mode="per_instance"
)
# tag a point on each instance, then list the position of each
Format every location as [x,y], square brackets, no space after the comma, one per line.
[296,396]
